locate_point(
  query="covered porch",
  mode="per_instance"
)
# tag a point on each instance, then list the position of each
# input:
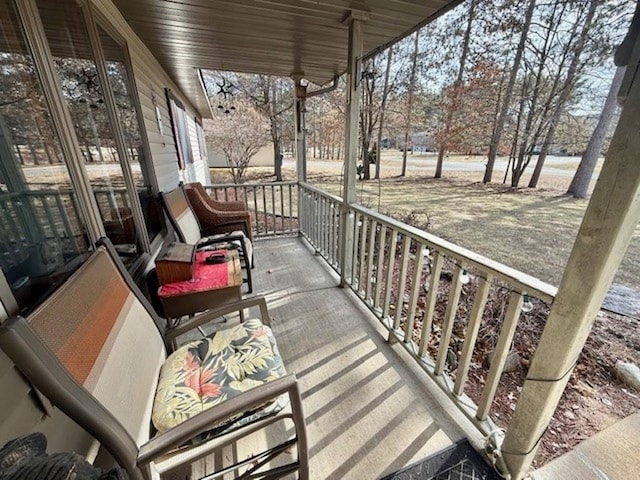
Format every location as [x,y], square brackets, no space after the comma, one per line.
[383,382]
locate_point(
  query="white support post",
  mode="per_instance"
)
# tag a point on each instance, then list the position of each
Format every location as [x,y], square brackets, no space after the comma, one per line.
[301,144]
[355,22]
[607,228]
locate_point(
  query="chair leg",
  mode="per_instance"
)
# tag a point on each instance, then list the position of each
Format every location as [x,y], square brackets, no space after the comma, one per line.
[249,265]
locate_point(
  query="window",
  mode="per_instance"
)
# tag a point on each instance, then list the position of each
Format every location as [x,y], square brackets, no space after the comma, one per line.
[116,62]
[180,130]
[105,121]
[42,236]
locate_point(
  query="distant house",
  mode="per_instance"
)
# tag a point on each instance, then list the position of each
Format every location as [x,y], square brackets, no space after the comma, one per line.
[423,142]
[264,157]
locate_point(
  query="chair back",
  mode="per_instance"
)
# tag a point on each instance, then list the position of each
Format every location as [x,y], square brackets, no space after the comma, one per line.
[94,349]
[182,218]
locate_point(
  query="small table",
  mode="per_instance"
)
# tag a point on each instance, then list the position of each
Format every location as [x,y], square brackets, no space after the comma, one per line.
[212,285]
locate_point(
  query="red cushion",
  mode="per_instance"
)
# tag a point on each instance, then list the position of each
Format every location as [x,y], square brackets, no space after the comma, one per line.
[206,277]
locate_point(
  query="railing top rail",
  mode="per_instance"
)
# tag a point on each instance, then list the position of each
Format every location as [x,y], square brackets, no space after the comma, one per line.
[335,198]
[252,184]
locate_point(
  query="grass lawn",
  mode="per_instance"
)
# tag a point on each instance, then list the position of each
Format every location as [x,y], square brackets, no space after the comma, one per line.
[532,230]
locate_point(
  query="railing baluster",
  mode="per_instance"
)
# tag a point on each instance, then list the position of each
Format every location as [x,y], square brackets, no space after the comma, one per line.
[500,354]
[281,190]
[475,319]
[291,216]
[50,219]
[415,289]
[362,280]
[264,210]
[381,246]
[372,247]
[307,214]
[313,225]
[449,320]
[355,256]
[322,219]
[404,266]
[301,213]
[432,298]
[255,209]
[63,216]
[391,262]
[10,215]
[273,209]
[327,227]
[336,233]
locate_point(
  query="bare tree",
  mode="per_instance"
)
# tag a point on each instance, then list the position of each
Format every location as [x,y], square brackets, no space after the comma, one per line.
[271,96]
[569,83]
[412,86]
[506,97]
[452,107]
[238,136]
[581,179]
[383,106]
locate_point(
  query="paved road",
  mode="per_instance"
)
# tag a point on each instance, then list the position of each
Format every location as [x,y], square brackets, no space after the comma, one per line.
[556,166]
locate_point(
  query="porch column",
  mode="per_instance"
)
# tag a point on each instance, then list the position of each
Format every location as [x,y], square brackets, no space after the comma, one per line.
[355,21]
[608,225]
[301,142]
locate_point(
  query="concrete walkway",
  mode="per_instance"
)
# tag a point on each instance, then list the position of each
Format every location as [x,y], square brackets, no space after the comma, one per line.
[611,454]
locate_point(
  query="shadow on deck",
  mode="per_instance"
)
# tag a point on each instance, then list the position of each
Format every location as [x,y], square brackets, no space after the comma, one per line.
[369,409]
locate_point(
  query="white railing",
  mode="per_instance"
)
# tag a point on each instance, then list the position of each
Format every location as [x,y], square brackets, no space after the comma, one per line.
[273,205]
[423,289]
[32,215]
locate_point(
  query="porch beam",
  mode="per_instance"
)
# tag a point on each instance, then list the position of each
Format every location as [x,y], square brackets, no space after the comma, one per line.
[354,60]
[607,228]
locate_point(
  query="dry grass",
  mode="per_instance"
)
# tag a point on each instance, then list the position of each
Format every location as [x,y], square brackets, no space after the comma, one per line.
[532,230]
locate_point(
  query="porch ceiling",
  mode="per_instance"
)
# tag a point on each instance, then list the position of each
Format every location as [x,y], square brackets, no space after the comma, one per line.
[275,37]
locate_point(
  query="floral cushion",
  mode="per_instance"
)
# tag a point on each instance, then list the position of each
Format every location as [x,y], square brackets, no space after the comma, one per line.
[208,371]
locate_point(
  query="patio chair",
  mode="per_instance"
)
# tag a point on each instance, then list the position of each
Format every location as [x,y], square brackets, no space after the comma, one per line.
[188,230]
[223,206]
[96,350]
[213,220]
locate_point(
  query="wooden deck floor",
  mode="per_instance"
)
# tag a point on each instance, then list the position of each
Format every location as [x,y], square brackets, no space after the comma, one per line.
[369,409]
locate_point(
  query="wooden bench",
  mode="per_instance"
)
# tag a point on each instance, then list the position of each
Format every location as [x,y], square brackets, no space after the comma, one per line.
[97,350]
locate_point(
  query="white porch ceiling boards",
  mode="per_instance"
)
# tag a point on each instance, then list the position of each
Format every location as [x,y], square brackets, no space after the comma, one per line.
[276,37]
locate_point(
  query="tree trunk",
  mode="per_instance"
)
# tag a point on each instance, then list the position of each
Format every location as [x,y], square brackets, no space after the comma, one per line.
[277,156]
[385,93]
[463,62]
[564,93]
[412,85]
[582,178]
[506,100]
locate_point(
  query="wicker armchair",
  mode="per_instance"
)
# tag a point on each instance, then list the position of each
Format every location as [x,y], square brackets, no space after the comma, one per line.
[213,221]
[226,206]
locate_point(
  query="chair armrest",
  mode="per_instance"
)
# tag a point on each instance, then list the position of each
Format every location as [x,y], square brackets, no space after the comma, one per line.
[167,441]
[219,238]
[214,313]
